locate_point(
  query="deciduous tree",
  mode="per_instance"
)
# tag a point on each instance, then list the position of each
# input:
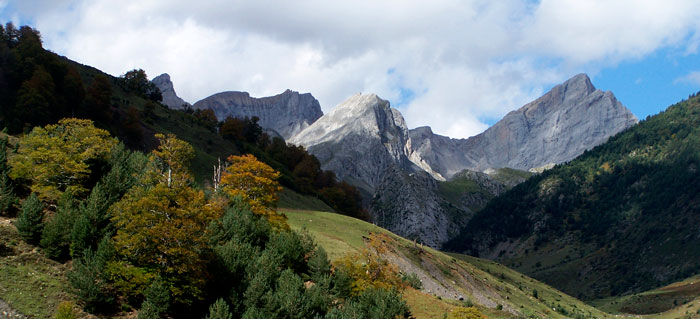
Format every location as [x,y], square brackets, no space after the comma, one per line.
[161,222]
[58,158]
[256,183]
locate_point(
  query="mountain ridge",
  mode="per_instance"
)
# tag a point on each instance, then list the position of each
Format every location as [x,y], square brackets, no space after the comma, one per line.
[569,119]
[287,113]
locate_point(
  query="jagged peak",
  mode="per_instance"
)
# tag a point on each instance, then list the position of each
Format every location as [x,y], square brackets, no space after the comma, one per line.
[580,80]
[164,76]
[363,101]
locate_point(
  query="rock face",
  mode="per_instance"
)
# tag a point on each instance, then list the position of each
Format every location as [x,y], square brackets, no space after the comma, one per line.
[359,140]
[287,113]
[555,128]
[166,87]
[409,204]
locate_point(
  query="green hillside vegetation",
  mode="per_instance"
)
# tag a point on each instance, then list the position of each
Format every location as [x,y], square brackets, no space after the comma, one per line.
[125,233]
[682,295]
[621,218]
[465,190]
[481,282]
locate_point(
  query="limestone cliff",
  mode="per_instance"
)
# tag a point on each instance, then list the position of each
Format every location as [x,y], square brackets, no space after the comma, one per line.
[287,113]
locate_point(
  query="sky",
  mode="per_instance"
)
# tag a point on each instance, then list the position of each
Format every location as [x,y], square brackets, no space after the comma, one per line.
[455,65]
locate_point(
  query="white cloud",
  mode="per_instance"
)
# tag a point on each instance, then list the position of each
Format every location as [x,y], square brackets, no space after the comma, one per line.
[464,61]
[692,78]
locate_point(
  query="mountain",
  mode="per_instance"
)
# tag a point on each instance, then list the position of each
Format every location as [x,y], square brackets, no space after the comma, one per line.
[287,113]
[367,143]
[359,140]
[569,119]
[619,219]
[170,98]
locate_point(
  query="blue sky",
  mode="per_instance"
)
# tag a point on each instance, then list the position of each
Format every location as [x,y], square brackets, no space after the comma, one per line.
[455,65]
[650,85]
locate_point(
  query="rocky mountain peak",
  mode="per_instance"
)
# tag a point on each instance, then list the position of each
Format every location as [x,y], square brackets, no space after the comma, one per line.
[358,140]
[166,87]
[569,119]
[287,113]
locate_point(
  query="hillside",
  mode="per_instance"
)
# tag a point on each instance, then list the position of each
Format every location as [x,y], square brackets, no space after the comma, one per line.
[584,226]
[481,282]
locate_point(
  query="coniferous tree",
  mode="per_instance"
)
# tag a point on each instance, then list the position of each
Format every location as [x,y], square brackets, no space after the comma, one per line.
[219,310]
[30,220]
[158,295]
[88,282]
[80,236]
[56,236]
[7,196]
[319,266]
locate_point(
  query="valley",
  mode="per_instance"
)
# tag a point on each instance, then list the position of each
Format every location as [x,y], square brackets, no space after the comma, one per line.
[119,199]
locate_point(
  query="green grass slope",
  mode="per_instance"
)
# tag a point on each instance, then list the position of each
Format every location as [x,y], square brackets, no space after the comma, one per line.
[620,219]
[485,283]
[31,284]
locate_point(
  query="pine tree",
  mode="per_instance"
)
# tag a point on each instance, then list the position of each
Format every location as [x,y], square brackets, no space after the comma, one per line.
[81,236]
[88,282]
[56,236]
[219,310]
[7,196]
[319,266]
[30,221]
[158,295]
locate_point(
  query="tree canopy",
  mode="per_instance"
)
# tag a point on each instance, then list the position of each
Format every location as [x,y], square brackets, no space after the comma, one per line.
[58,158]
[256,183]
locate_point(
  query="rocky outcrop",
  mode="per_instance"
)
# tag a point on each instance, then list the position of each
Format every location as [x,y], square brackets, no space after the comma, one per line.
[555,128]
[359,140]
[170,98]
[287,113]
[409,204]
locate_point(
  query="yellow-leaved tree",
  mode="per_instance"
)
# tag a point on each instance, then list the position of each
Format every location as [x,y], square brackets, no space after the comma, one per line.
[161,226]
[368,269]
[57,158]
[256,183]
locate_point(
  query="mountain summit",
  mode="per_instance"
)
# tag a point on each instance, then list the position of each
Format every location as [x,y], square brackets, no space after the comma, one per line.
[569,119]
[359,140]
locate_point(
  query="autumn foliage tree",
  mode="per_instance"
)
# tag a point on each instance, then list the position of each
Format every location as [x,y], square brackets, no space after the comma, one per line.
[58,158]
[256,183]
[161,222]
[368,269]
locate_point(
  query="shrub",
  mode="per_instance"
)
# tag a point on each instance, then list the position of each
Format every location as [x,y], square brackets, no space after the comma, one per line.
[412,280]
[65,311]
